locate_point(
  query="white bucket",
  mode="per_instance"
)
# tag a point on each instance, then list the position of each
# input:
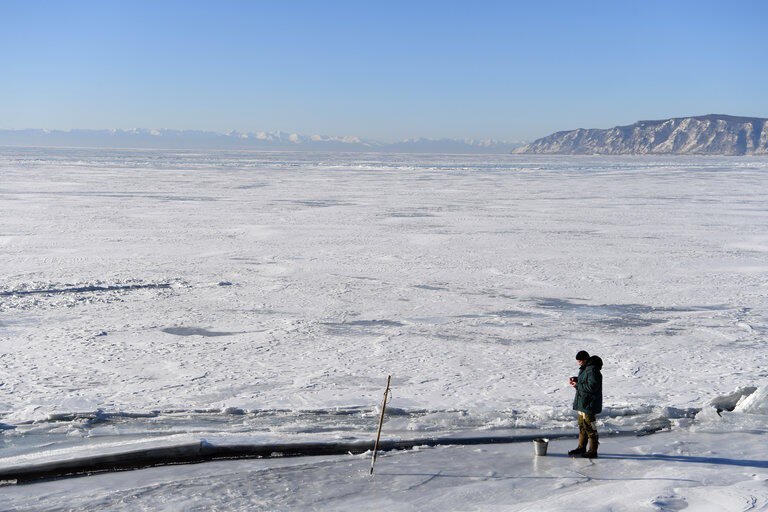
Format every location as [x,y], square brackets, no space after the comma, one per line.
[540,446]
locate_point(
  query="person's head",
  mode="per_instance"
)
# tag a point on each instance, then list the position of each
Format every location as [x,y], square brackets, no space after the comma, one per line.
[582,356]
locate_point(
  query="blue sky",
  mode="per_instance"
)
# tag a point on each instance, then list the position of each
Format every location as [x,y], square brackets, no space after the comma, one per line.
[383,70]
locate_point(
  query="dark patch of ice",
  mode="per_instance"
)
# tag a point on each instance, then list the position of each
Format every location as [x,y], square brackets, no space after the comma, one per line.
[83,289]
[185,198]
[572,231]
[630,321]
[410,214]
[551,303]
[669,331]
[611,309]
[348,327]
[448,337]
[316,203]
[512,313]
[618,315]
[195,331]
[385,323]
[500,340]
[715,307]
[429,287]
[670,504]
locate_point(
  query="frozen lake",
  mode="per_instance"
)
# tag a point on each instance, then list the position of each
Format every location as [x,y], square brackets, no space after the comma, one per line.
[165,292]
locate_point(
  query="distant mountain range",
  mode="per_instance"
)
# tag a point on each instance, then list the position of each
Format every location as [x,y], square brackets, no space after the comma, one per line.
[275,140]
[713,134]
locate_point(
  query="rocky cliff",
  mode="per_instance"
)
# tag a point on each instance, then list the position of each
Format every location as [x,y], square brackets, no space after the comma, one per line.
[713,134]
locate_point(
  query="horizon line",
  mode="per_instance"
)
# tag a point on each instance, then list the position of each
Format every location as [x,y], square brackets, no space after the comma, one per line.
[254,134]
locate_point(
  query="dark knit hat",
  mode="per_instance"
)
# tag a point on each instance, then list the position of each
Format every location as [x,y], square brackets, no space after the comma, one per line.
[582,355]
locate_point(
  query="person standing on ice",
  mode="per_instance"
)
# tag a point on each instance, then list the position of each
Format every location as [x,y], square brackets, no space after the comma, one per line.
[588,402]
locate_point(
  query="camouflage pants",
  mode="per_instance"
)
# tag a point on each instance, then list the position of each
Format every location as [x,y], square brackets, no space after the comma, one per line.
[587,424]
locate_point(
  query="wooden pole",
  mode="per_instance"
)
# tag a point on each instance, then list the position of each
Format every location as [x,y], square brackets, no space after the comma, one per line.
[381,421]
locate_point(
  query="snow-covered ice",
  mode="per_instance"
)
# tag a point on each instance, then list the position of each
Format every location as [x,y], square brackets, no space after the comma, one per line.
[160,293]
[699,471]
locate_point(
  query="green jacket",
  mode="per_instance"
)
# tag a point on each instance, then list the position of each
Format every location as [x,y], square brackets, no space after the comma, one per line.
[589,387]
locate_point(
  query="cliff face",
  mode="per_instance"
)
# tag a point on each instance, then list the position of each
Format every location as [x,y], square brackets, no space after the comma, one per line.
[702,135]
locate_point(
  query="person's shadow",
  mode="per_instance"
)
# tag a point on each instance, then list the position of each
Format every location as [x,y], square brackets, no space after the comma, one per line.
[686,458]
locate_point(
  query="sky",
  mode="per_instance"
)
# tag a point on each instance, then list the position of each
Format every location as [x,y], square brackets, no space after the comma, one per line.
[381,70]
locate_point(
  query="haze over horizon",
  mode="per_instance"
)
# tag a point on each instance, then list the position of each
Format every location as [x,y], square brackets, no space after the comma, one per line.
[501,71]
[248,246]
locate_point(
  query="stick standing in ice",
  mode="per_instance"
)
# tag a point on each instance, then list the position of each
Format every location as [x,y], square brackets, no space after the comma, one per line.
[381,421]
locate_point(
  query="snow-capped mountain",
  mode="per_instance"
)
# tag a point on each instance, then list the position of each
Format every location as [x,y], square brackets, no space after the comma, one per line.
[278,140]
[713,134]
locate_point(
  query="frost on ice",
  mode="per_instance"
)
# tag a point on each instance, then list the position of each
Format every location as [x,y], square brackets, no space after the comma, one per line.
[265,295]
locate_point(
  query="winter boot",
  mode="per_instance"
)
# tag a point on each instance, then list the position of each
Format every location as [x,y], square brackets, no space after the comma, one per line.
[582,446]
[592,452]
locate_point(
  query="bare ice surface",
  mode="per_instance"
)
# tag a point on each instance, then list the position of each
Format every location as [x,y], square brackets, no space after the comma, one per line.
[159,293]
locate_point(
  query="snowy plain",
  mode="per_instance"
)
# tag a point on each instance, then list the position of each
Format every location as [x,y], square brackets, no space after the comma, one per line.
[148,295]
